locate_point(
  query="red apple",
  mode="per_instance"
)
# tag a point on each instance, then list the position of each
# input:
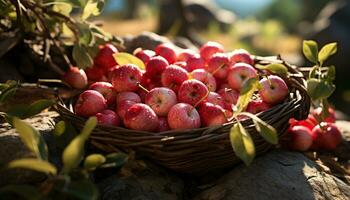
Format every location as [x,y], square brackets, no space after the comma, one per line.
[89,103]
[185,54]
[209,49]
[308,123]
[108,117]
[273,89]
[76,78]
[106,89]
[239,73]
[126,78]
[298,138]
[241,56]
[141,117]
[163,124]
[94,73]
[173,76]
[144,55]
[123,106]
[161,99]
[167,51]
[229,96]
[205,77]
[183,116]
[257,106]
[130,96]
[219,65]
[215,99]
[155,66]
[104,58]
[212,115]
[181,64]
[331,118]
[192,92]
[195,62]
[328,136]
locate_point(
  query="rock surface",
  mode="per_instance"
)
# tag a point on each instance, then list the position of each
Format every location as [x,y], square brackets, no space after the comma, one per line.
[278,175]
[12,148]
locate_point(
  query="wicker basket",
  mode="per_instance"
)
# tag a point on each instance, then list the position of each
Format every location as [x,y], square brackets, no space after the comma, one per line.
[198,151]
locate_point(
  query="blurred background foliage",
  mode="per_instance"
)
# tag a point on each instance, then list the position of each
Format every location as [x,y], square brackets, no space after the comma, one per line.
[264,27]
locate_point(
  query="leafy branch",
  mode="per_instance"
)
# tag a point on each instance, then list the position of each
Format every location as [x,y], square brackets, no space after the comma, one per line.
[320,80]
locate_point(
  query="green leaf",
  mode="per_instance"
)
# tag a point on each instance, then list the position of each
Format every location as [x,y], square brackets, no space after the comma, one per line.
[37,107]
[34,164]
[275,68]
[74,152]
[313,72]
[63,8]
[242,143]
[92,7]
[246,93]
[327,51]
[27,192]
[60,128]
[330,76]
[93,161]
[31,138]
[318,89]
[310,50]
[85,34]
[267,131]
[82,57]
[89,126]
[126,58]
[8,93]
[83,190]
[115,160]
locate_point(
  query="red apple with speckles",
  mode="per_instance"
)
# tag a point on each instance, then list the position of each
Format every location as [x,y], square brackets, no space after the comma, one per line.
[76,78]
[106,89]
[128,96]
[104,58]
[239,73]
[173,76]
[123,106]
[241,56]
[195,62]
[212,115]
[141,117]
[308,123]
[229,96]
[215,99]
[89,103]
[167,51]
[108,117]
[273,89]
[185,54]
[163,124]
[257,106]
[183,116]
[161,99]
[327,135]
[144,55]
[219,65]
[192,92]
[181,64]
[126,78]
[205,77]
[209,49]
[155,66]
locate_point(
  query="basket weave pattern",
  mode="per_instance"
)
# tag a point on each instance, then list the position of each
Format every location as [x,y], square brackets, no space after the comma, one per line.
[197,151]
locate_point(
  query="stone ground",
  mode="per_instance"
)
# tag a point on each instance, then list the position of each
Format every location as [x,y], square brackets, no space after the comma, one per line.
[276,175]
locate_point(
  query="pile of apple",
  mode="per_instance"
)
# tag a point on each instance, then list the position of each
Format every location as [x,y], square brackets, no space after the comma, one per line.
[313,133]
[178,89]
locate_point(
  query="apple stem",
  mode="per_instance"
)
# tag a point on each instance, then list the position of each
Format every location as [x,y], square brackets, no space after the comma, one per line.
[143,88]
[217,69]
[202,99]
